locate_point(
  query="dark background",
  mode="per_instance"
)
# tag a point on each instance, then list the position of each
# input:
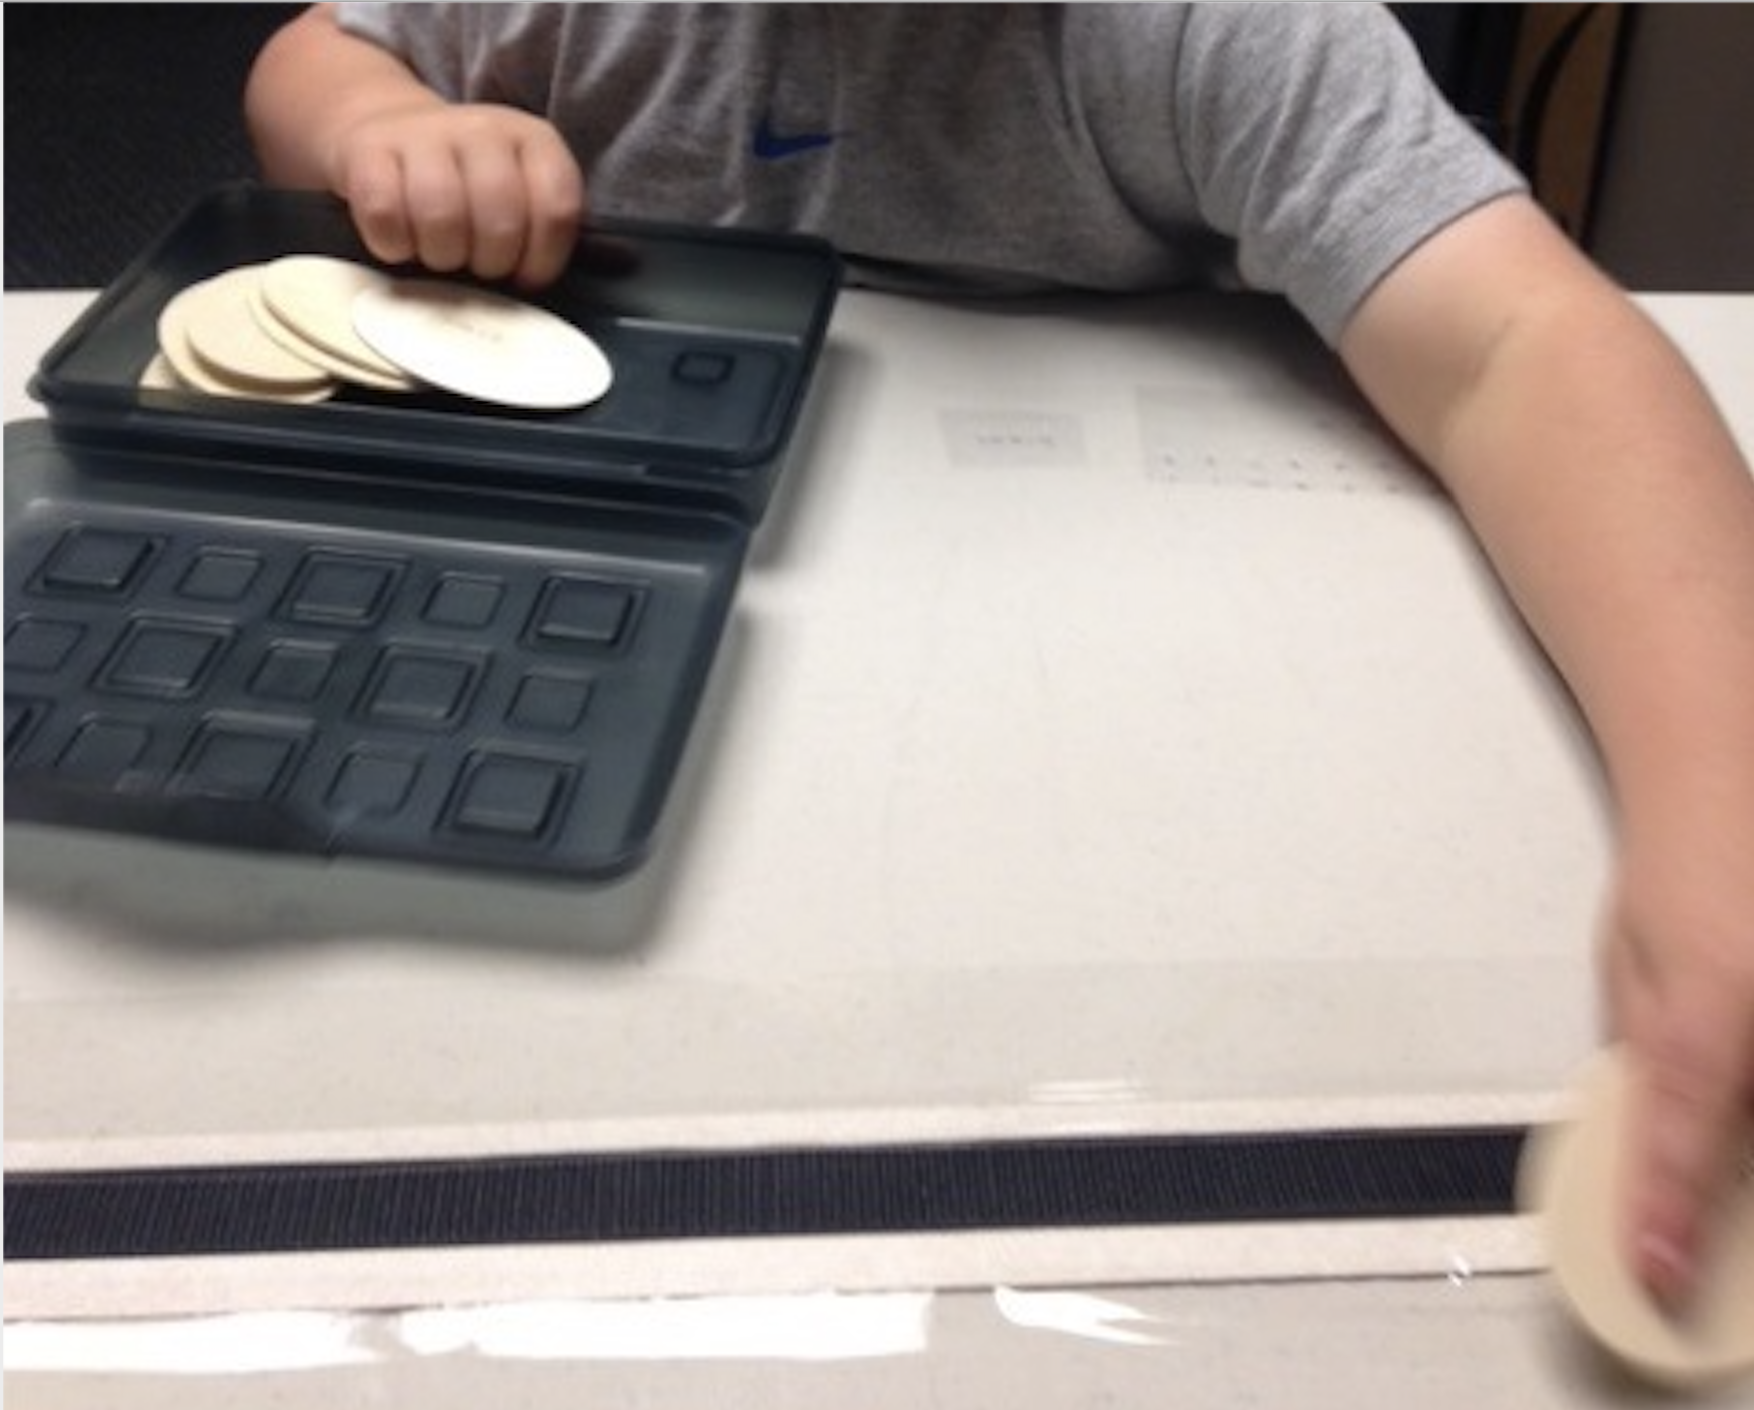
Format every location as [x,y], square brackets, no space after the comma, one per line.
[117,117]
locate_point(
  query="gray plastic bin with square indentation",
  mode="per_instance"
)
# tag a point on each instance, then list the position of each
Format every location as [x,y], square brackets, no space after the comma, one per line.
[418,629]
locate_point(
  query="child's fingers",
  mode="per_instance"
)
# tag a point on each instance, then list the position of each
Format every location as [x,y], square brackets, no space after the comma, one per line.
[484,189]
[1695,1050]
[498,209]
[437,199]
[372,187]
[556,195]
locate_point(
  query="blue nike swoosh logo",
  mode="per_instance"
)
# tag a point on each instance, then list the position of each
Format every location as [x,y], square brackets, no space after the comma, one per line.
[775,146]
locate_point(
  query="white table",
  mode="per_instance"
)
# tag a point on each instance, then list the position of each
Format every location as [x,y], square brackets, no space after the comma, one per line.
[1115,735]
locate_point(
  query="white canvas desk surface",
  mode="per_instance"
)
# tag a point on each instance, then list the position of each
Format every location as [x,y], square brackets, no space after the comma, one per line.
[1113,735]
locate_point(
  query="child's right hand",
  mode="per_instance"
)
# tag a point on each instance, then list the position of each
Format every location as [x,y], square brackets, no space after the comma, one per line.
[481,188]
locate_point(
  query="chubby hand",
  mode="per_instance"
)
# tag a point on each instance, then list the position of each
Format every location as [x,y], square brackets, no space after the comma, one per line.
[1680,969]
[478,187]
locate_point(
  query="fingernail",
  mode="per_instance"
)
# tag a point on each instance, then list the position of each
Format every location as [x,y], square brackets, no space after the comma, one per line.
[1666,1269]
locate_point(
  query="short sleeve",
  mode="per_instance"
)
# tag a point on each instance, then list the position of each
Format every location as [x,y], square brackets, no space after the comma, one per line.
[502,53]
[1314,137]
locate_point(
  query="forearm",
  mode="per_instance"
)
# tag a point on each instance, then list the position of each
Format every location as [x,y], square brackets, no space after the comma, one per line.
[1619,513]
[1616,508]
[310,84]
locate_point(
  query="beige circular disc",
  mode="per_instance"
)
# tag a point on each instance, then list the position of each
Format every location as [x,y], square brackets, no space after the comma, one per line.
[333,363]
[174,348]
[215,320]
[1571,1177]
[313,295]
[481,344]
[196,375]
[289,396]
[158,375]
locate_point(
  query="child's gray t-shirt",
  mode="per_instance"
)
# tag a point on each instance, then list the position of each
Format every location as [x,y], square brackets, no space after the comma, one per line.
[1109,147]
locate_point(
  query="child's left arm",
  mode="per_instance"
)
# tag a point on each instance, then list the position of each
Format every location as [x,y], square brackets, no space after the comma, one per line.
[1619,513]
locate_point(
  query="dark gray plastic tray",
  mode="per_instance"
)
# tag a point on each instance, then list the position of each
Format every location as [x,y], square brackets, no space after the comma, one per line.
[420,631]
[713,335]
[426,677]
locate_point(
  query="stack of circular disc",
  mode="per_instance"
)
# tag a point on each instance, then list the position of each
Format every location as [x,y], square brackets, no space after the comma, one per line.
[298,328]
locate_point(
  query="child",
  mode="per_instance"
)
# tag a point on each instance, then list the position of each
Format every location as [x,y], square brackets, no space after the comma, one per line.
[1141,146]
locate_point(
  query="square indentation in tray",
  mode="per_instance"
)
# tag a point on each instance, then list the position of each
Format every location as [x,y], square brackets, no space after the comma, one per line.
[96,561]
[583,613]
[421,689]
[38,644]
[504,795]
[163,658]
[239,758]
[341,588]
[358,692]
[219,575]
[103,752]
[464,600]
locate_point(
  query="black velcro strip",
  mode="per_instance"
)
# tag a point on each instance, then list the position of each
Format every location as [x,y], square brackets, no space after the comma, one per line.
[587,1198]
